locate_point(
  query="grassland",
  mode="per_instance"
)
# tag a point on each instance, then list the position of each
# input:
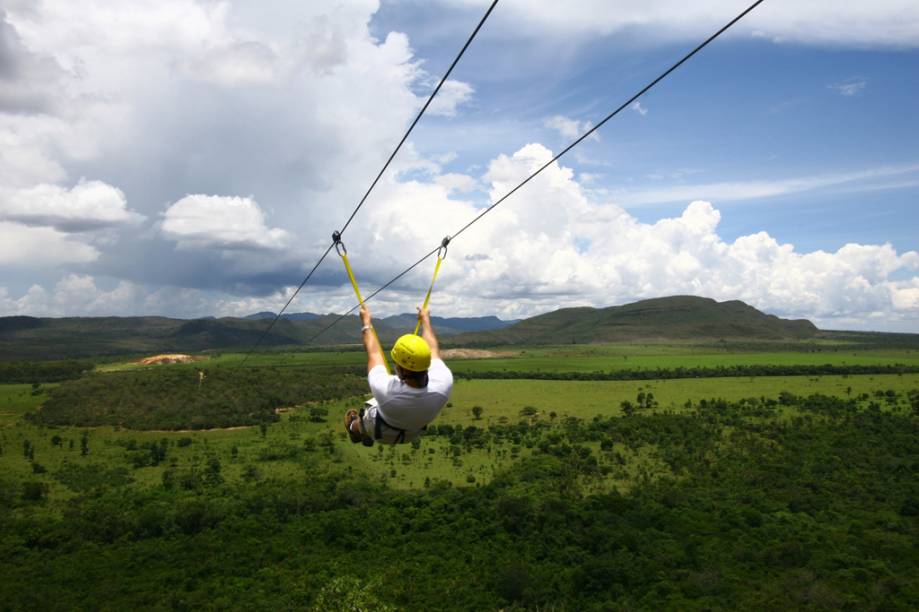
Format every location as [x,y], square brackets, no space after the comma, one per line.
[586,358]
[293,447]
[560,494]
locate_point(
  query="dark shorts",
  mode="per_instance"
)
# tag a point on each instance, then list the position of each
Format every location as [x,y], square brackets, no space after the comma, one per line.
[373,426]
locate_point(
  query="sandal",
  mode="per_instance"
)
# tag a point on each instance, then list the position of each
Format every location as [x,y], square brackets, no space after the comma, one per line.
[350,417]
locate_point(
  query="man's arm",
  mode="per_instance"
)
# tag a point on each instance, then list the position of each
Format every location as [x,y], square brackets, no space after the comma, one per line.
[371,344]
[427,332]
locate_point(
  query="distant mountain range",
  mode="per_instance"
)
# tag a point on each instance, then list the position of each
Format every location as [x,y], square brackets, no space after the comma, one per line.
[679,318]
[60,338]
[445,326]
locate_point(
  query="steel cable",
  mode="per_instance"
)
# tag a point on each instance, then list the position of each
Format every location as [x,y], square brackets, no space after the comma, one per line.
[392,156]
[586,134]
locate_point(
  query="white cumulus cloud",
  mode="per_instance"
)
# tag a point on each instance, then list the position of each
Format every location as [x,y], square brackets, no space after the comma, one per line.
[219,222]
[28,247]
[451,96]
[569,128]
[89,205]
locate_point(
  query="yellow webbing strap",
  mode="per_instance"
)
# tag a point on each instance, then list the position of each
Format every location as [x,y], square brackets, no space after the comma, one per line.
[427,298]
[357,292]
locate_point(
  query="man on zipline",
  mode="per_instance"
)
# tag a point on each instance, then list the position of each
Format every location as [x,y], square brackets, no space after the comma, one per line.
[402,405]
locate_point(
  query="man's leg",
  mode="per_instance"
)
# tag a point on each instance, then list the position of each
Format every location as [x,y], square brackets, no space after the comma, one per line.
[353,425]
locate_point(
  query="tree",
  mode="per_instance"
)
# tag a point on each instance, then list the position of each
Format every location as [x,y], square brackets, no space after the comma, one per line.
[34,491]
[318,414]
[56,440]
[627,408]
[169,479]
[263,428]
[84,443]
[477,412]
[212,474]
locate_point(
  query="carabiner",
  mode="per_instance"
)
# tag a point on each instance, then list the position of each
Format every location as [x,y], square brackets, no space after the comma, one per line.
[443,248]
[339,245]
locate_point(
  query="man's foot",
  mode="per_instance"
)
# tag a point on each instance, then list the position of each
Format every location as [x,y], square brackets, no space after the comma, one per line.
[350,417]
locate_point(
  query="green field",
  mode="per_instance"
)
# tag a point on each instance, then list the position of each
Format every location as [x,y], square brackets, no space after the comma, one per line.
[502,402]
[585,358]
[588,359]
[811,459]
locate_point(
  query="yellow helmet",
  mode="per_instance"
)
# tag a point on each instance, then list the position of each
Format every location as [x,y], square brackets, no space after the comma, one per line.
[412,353]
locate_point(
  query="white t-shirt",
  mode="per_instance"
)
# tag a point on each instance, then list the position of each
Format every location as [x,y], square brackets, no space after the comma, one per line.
[406,407]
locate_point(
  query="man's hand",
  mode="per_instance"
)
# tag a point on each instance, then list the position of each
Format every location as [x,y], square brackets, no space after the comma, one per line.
[371,344]
[427,332]
[424,315]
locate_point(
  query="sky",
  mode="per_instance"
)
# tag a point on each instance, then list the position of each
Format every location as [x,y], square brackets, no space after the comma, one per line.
[192,157]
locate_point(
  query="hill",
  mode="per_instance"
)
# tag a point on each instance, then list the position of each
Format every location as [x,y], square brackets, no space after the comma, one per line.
[670,318]
[66,338]
[679,318]
[449,326]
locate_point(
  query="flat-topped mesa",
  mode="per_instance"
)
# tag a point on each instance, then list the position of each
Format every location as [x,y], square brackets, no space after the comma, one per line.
[670,318]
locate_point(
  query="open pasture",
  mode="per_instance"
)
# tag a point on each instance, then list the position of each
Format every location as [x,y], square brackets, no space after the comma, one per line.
[578,358]
[296,446]
[592,358]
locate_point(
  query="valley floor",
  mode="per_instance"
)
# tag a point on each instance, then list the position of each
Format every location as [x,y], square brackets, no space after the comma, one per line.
[722,492]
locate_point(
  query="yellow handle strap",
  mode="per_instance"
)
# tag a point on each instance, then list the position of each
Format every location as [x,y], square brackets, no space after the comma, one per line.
[344,257]
[427,298]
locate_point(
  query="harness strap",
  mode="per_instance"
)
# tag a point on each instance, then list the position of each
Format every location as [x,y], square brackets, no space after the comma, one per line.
[343,252]
[441,255]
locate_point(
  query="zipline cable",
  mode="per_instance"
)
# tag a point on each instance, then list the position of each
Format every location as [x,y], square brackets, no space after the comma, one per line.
[420,113]
[584,136]
[291,299]
[377,179]
[372,295]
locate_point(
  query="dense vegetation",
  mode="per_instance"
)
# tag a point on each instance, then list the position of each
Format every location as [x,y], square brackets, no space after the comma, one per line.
[42,371]
[767,503]
[186,398]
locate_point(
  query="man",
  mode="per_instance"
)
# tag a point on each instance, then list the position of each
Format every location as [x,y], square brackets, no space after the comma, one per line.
[403,404]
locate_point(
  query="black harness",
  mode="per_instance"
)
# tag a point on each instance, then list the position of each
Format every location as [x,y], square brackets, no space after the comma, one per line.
[379,423]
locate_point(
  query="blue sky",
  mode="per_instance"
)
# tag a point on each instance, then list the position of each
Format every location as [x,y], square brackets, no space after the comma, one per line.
[191,157]
[742,111]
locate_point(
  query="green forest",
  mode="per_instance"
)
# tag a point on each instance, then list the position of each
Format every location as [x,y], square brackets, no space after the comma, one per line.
[188,398]
[185,487]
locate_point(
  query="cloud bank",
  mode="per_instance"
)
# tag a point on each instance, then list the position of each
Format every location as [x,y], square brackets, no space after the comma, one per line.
[549,246]
[887,23]
[191,158]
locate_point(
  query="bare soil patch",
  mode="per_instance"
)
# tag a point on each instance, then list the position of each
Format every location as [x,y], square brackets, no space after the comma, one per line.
[461,353]
[168,358]
[205,430]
